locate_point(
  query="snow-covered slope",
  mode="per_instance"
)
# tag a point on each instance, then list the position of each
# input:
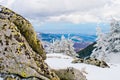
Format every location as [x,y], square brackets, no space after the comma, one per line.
[60,61]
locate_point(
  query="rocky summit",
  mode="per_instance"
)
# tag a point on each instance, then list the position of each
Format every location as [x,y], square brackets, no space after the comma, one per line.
[21,53]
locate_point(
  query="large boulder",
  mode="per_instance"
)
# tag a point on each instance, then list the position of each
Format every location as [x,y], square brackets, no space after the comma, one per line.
[21,53]
[70,74]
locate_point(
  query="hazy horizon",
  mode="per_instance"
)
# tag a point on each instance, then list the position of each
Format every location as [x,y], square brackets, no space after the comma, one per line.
[85,28]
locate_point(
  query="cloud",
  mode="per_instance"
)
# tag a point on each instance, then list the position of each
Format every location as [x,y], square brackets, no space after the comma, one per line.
[7,3]
[74,11]
[75,18]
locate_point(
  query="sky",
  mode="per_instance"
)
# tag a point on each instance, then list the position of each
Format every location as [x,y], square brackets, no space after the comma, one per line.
[66,16]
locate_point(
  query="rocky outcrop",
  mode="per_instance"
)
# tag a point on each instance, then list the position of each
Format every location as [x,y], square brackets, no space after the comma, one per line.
[24,27]
[70,74]
[21,53]
[92,61]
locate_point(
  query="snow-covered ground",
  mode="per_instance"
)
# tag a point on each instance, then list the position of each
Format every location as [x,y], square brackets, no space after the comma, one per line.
[1,78]
[60,61]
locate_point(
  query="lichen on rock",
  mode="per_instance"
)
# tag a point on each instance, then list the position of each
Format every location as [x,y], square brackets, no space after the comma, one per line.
[21,52]
[25,28]
[70,74]
[92,61]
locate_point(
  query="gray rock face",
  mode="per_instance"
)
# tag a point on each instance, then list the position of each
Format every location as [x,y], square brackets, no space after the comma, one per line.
[70,74]
[92,61]
[21,52]
[16,77]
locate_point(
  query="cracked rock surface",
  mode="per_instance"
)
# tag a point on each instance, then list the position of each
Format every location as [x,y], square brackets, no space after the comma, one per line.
[21,53]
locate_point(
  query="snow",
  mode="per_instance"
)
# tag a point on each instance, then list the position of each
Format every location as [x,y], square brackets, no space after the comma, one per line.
[100,47]
[107,46]
[59,61]
[1,78]
[114,58]
[58,55]
[61,46]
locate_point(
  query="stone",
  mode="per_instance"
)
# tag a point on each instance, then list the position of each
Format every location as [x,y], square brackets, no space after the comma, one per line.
[70,74]
[92,61]
[21,52]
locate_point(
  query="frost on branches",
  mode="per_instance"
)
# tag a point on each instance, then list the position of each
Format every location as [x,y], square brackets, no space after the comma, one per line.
[114,37]
[100,51]
[114,42]
[64,46]
[108,46]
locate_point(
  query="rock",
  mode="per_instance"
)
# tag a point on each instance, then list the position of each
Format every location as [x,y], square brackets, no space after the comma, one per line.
[70,74]
[92,61]
[25,29]
[21,52]
[16,77]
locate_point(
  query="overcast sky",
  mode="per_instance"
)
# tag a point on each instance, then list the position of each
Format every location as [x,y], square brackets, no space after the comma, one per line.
[66,15]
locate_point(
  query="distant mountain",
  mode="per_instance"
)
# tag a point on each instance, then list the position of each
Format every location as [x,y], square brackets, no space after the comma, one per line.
[81,41]
[86,52]
[80,45]
[75,37]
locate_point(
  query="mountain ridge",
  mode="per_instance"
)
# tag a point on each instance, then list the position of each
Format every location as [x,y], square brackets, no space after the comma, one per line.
[74,36]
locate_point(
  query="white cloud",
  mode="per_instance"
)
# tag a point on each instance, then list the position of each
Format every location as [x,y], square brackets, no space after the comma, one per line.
[75,11]
[7,3]
[74,18]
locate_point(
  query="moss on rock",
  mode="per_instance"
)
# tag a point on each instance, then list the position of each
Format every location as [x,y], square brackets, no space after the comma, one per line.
[26,30]
[70,74]
[21,52]
[92,61]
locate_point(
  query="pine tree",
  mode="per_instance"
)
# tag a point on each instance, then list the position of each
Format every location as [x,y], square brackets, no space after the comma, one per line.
[100,51]
[113,51]
[64,46]
[114,37]
[67,46]
[108,46]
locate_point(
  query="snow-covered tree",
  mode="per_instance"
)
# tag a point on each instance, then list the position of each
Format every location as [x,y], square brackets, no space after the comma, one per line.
[114,37]
[48,47]
[67,46]
[56,46]
[114,41]
[108,46]
[64,46]
[100,47]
